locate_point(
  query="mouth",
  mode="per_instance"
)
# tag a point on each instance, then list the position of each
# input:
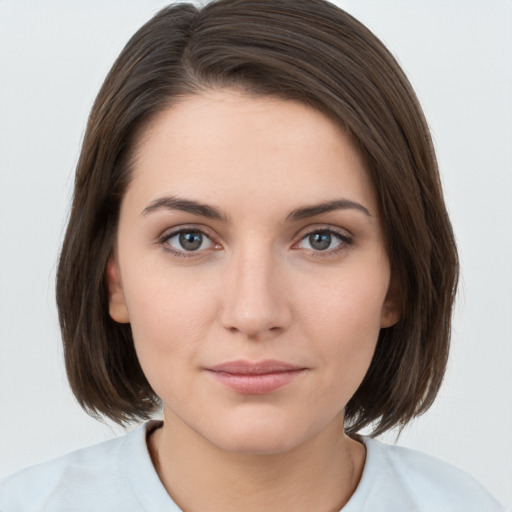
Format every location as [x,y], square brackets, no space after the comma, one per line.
[255,378]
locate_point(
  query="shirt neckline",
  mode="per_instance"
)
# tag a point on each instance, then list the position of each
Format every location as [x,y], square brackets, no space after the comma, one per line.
[152,495]
[138,468]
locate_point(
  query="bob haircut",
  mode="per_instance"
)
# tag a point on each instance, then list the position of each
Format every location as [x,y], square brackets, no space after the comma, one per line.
[304,50]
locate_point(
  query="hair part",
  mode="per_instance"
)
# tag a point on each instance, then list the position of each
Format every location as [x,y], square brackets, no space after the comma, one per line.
[305,50]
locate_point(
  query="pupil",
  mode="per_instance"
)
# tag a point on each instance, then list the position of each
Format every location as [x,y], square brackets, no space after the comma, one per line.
[320,241]
[191,240]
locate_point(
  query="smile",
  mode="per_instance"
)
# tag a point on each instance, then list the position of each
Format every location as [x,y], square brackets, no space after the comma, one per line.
[255,378]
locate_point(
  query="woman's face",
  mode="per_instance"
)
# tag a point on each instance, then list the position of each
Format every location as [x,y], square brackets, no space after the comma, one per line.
[251,265]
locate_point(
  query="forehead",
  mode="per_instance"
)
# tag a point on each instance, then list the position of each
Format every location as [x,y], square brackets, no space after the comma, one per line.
[225,144]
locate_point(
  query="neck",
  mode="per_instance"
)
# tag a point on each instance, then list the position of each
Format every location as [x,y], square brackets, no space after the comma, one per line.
[321,472]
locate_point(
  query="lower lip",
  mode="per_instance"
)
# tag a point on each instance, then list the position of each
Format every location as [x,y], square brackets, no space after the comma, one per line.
[256,384]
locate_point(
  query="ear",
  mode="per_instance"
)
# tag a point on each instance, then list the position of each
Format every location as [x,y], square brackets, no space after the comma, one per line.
[116,302]
[392,308]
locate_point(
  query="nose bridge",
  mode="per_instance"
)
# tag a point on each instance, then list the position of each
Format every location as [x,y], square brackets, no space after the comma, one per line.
[254,301]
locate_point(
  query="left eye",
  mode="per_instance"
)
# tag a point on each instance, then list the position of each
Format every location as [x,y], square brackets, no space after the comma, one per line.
[321,241]
[190,240]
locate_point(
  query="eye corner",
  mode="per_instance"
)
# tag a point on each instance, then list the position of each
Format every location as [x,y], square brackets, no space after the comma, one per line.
[325,236]
[187,241]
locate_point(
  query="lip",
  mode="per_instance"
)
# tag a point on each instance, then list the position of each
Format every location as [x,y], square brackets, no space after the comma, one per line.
[255,378]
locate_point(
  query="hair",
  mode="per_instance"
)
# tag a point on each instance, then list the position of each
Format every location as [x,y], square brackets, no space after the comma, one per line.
[305,50]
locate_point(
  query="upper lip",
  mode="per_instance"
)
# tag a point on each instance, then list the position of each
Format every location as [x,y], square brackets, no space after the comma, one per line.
[242,367]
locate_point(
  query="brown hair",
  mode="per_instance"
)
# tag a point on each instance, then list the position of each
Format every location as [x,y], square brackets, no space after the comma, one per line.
[306,50]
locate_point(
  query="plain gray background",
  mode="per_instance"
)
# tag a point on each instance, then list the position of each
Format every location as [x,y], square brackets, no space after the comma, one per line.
[457,54]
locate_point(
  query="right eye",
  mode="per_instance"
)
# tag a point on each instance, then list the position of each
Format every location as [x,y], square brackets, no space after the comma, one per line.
[188,240]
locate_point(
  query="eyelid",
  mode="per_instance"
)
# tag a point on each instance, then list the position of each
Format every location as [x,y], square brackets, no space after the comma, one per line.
[176,230]
[343,233]
[345,238]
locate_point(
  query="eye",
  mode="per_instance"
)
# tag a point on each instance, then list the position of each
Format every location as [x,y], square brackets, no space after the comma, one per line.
[324,240]
[188,240]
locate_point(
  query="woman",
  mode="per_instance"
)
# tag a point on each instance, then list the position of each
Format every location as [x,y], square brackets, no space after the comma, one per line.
[258,244]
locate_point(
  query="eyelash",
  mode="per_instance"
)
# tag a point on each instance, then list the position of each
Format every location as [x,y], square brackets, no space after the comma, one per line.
[164,242]
[344,242]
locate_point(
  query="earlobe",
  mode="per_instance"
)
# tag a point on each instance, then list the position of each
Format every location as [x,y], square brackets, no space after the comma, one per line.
[116,302]
[390,316]
[391,309]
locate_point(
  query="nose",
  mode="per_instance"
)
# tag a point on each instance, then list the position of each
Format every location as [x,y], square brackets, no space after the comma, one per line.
[255,301]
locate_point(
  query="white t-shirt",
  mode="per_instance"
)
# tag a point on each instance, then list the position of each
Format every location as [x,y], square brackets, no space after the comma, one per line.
[118,476]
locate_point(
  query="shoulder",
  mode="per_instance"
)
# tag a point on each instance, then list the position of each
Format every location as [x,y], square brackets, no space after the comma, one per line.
[91,475]
[412,480]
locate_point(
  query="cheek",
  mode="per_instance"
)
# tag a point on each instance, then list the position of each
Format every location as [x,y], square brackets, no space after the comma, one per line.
[170,317]
[348,304]
[345,322]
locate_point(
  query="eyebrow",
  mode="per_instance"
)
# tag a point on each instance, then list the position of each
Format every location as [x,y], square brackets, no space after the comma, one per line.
[211,212]
[325,207]
[185,205]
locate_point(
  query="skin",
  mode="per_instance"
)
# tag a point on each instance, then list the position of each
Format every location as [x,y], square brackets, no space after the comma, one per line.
[257,288]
